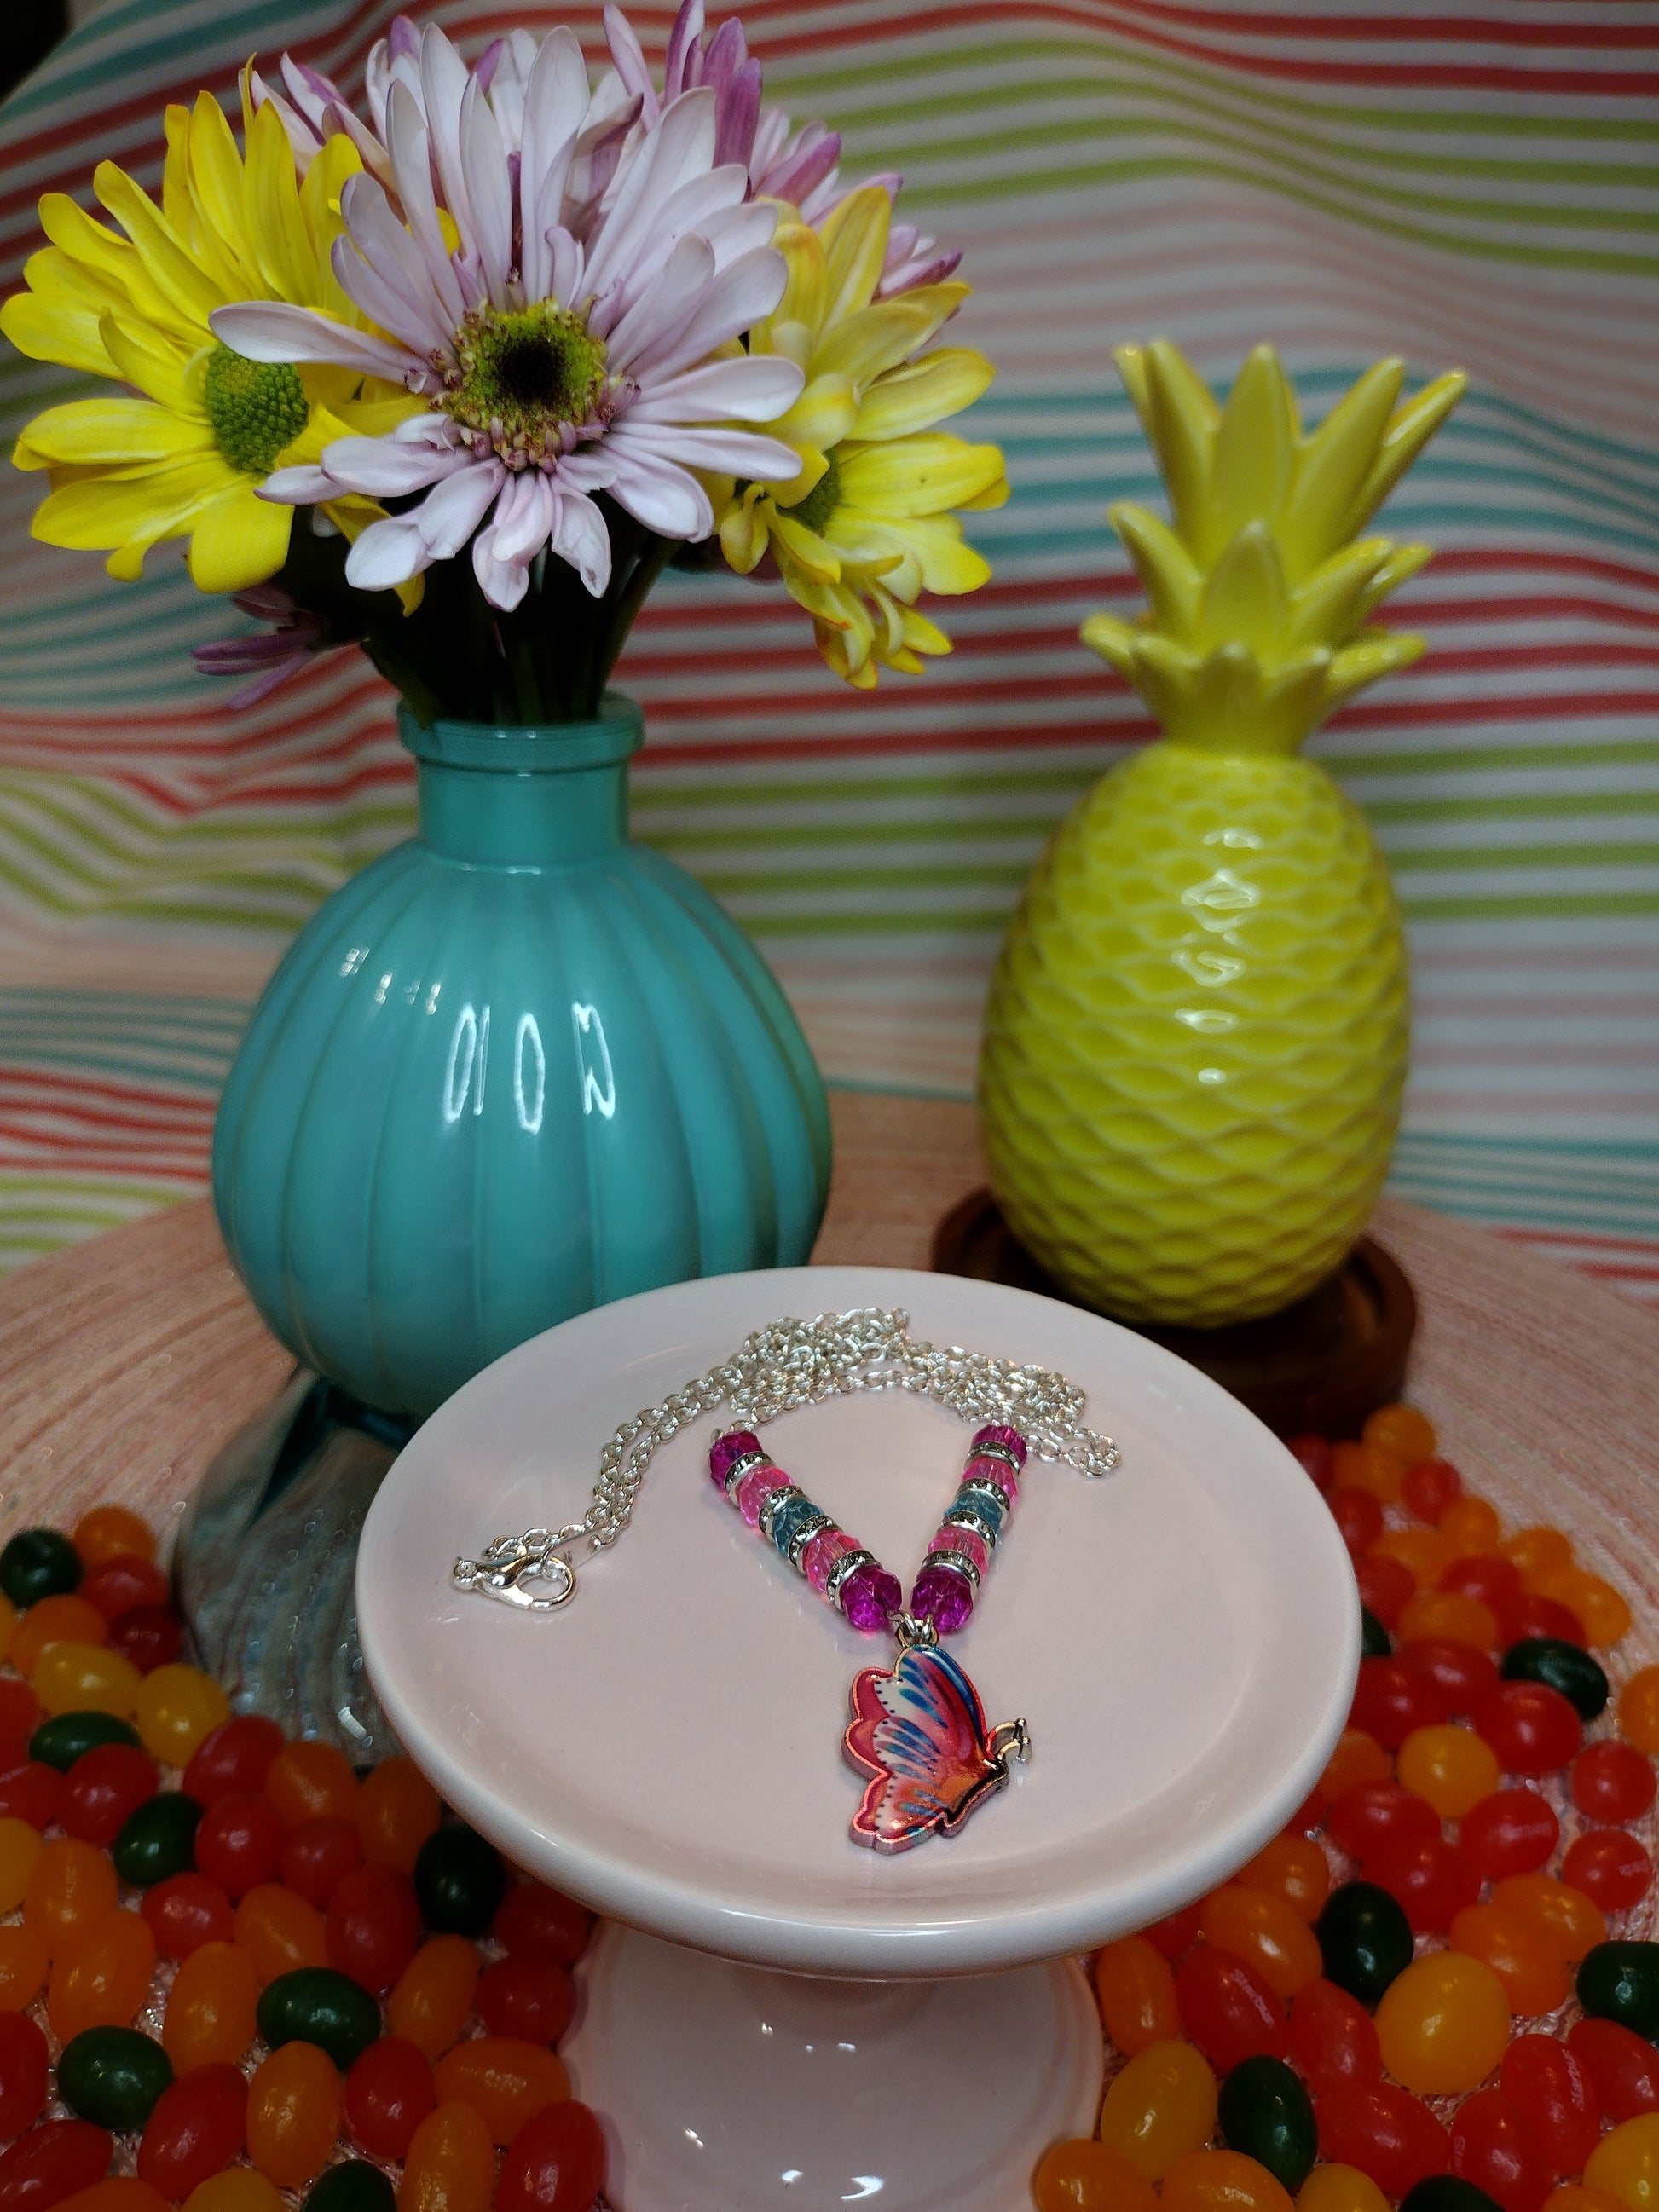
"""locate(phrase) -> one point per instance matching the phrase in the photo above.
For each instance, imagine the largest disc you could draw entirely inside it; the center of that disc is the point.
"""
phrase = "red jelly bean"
(1315, 1454)
(556, 2163)
(1392, 1699)
(151, 1636)
(1491, 2148)
(1430, 1487)
(532, 1917)
(238, 1842)
(317, 1856)
(529, 1995)
(104, 1787)
(1543, 1616)
(20, 1717)
(123, 1583)
(32, 1792)
(388, 2092)
(1612, 1782)
(25, 2065)
(1560, 2113)
(1386, 2132)
(51, 2162)
(1226, 2008)
(1374, 1812)
(1493, 1579)
(1358, 1517)
(184, 1912)
(1623, 2068)
(374, 1925)
(1532, 1728)
(1611, 1868)
(1332, 2039)
(1462, 1672)
(1430, 1879)
(1384, 1586)
(234, 1757)
(1510, 1832)
(196, 2126)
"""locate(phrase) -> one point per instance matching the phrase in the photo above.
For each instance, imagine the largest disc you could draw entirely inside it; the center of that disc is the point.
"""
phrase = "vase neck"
(542, 796)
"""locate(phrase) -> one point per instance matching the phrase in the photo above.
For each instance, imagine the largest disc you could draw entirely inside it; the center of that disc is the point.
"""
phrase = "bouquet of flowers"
(453, 378)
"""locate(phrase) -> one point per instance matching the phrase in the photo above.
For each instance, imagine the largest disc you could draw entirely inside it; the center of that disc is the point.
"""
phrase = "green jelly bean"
(1620, 1981)
(315, 2004)
(1447, 2192)
(460, 1879)
(158, 1838)
(112, 2077)
(1562, 1666)
(60, 1741)
(1374, 1642)
(1364, 1940)
(1266, 2113)
(40, 1563)
(354, 2185)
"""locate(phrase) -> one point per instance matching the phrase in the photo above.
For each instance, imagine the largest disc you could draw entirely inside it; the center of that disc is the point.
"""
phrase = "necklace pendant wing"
(919, 1733)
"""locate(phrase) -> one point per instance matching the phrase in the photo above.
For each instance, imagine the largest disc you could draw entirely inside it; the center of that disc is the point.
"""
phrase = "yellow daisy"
(184, 458)
(868, 524)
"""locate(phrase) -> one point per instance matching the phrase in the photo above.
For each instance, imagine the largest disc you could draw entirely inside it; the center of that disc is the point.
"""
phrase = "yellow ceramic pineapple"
(1196, 1037)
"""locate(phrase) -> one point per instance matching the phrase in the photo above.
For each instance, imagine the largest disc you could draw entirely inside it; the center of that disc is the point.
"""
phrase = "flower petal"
(581, 538)
(748, 388)
(915, 397)
(269, 330)
(87, 432)
(388, 554)
(452, 510)
(238, 540)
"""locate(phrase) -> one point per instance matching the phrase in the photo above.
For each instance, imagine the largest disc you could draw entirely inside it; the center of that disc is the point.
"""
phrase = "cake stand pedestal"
(782, 2018)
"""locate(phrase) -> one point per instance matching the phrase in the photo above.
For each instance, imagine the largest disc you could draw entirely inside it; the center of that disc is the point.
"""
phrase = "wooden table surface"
(126, 1361)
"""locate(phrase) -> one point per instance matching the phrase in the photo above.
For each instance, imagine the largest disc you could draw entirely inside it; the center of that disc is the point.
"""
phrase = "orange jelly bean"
(1359, 1757)
(64, 1619)
(1638, 1711)
(1161, 2105)
(1575, 2197)
(1576, 1921)
(1135, 1987)
(1425, 1553)
(1266, 1932)
(111, 1532)
(433, 1994)
(1537, 1552)
(1523, 1951)
(75, 1677)
(1452, 1767)
(1292, 1867)
(1443, 2023)
(1367, 1468)
(397, 1808)
(451, 2164)
(1081, 2176)
(238, 2189)
(279, 1931)
(1222, 2181)
(1451, 1615)
(20, 1847)
(100, 1977)
(212, 2008)
(70, 1886)
(24, 1962)
(177, 1706)
(1402, 1431)
(1471, 1526)
(310, 1782)
(296, 2104)
(120, 2192)
(1601, 1609)
(8, 1619)
(506, 2079)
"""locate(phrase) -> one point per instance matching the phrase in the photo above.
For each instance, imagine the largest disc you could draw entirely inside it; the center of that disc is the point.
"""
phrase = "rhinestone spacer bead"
(974, 1516)
(843, 1569)
(772, 1506)
(998, 1451)
(746, 1464)
(813, 1525)
(958, 1562)
(993, 1493)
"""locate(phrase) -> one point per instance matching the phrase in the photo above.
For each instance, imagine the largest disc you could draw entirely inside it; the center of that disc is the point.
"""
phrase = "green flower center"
(257, 408)
(819, 504)
(524, 375)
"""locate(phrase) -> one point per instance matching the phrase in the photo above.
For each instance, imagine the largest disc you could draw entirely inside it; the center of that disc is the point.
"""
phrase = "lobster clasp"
(513, 1562)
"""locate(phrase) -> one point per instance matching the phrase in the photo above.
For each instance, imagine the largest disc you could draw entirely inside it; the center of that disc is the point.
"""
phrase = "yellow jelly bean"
(86, 1677)
(1161, 2105)
(1443, 2024)
(1452, 1767)
(1335, 2189)
(176, 1707)
(1626, 2163)
(20, 1847)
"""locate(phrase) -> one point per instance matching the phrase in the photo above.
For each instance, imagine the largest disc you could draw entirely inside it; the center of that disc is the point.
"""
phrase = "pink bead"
(756, 1488)
(821, 1554)
(998, 1432)
(870, 1597)
(968, 1541)
(943, 1596)
(993, 1470)
(724, 1456)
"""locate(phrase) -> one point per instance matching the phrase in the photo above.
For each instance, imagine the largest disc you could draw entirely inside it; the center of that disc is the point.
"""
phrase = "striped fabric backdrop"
(1479, 186)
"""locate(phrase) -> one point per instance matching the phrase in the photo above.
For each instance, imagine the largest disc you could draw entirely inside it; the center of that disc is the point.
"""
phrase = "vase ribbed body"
(518, 1067)
(1196, 1038)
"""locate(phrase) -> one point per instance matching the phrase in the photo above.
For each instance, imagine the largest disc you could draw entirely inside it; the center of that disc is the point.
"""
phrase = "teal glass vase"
(519, 1067)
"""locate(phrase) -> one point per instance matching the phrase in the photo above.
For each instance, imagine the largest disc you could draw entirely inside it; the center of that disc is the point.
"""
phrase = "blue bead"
(788, 1519)
(986, 1518)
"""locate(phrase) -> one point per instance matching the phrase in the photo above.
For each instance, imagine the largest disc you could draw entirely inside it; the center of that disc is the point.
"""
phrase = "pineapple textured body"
(1196, 1038)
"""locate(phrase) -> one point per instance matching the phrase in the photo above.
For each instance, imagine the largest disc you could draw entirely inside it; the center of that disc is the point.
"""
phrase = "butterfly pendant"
(920, 1734)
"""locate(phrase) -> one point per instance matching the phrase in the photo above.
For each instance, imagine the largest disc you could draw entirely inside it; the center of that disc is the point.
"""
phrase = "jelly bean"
(1265, 1932)
(1391, 1699)
(121, 2192)
(239, 1843)
(1443, 2024)
(1575, 1924)
(1333, 2188)
(1332, 2039)
(1450, 1614)
(1175, 1935)
(531, 1996)
(1622, 2066)
(112, 2076)
(240, 2189)
(234, 1756)
(388, 2092)
(1315, 1455)
(1364, 1468)
(294, 2108)
(434, 1995)
(1638, 1710)
(556, 2163)
(1401, 1429)
(374, 1925)
(25, 2069)
(354, 2185)
(177, 1708)
(1495, 1581)
(66, 1740)
(106, 1786)
(451, 2165)
(1491, 2147)
(1160, 2106)
(1621, 1981)
(10, 1617)
(310, 1782)
(52, 2162)
(460, 1880)
(1431, 1880)
(1221, 2181)
(1602, 1609)
(1626, 2163)
(1520, 1951)
(147, 1637)
(20, 1849)
(1295, 1869)
(1536, 1616)
(32, 1792)
(1559, 2111)
(1364, 1940)
(279, 1931)
(100, 1977)
(1359, 1757)
(1461, 1674)
(1387, 2134)
(1473, 1525)
(1564, 1665)
(397, 1808)
(1573, 2197)
(38, 1564)
(1447, 2192)
(1226, 2007)
(1358, 1518)
(1075, 2176)
(1385, 1583)
(1511, 1831)
(20, 1713)
(1537, 1552)
(1449, 1766)
(504, 2078)
(112, 1532)
(24, 1962)
(317, 1855)
(1610, 1867)
(196, 2126)
(156, 1841)
(1134, 1988)
(184, 1912)
(531, 1916)
(211, 2008)
(118, 1585)
(317, 2005)
(1423, 1552)
(1374, 1642)
(1429, 1487)
(1265, 2112)
(71, 1886)
(1374, 1812)
(1612, 1782)
(1532, 1728)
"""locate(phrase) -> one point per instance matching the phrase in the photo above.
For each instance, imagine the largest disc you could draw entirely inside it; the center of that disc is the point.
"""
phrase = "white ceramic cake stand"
(1182, 1638)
